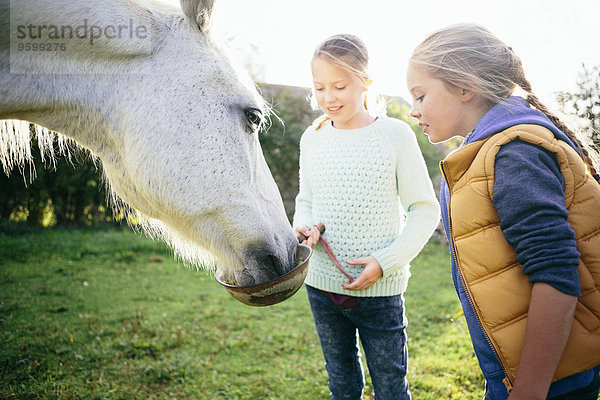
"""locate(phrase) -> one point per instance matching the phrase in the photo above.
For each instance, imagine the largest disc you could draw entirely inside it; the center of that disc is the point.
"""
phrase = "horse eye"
(254, 117)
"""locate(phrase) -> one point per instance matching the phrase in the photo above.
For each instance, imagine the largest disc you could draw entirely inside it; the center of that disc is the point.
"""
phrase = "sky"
(552, 37)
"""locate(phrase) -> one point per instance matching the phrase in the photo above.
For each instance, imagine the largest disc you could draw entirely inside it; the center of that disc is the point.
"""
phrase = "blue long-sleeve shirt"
(529, 197)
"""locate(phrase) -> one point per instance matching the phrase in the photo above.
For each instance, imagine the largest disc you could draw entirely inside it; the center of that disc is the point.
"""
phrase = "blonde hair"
(470, 56)
(350, 53)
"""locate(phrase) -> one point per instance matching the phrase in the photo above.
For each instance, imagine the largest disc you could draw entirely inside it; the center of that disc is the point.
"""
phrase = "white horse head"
(174, 124)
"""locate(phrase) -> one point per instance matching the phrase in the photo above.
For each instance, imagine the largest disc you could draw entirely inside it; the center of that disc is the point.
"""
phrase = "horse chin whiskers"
(186, 251)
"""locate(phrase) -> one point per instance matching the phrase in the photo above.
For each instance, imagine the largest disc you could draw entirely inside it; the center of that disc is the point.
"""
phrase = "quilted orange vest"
(495, 282)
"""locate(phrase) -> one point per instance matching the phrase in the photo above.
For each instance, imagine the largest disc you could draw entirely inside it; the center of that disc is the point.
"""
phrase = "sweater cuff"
(422, 221)
(565, 280)
(387, 261)
(302, 219)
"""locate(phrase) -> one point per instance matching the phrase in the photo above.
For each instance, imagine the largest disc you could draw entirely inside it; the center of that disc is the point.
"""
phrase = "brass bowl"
(275, 291)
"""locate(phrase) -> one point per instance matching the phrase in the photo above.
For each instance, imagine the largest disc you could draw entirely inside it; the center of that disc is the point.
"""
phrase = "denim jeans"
(589, 392)
(379, 323)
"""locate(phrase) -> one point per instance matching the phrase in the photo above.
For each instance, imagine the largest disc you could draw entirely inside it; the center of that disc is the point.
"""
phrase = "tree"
(585, 101)
(281, 140)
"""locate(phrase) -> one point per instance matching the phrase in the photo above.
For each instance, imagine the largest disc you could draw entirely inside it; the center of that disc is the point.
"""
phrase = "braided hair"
(470, 56)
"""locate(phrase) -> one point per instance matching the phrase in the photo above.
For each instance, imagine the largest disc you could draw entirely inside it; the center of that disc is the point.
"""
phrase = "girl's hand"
(312, 235)
(368, 277)
(543, 347)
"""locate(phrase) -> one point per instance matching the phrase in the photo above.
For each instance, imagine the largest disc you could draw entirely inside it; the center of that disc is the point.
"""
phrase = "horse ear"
(198, 12)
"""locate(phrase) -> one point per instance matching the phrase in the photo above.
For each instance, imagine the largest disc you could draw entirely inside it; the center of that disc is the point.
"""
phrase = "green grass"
(108, 314)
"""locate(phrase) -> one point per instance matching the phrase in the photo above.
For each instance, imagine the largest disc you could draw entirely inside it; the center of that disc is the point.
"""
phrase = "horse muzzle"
(275, 290)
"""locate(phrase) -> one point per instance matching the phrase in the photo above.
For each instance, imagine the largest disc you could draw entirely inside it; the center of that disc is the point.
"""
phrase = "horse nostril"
(271, 265)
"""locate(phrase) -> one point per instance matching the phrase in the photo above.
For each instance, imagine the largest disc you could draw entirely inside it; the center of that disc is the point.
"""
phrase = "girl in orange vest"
(521, 208)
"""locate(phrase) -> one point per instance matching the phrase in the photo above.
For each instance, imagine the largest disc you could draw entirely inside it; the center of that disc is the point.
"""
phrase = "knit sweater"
(370, 188)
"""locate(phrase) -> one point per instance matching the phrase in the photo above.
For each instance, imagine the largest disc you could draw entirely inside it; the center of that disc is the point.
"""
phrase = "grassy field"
(108, 314)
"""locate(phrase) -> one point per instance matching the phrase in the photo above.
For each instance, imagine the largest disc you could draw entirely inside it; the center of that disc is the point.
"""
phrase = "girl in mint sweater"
(363, 176)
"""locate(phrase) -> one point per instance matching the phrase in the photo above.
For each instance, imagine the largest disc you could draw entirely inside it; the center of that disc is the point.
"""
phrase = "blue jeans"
(380, 324)
(589, 392)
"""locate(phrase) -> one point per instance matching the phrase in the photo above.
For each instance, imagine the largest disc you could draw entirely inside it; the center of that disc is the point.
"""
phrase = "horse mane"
(15, 146)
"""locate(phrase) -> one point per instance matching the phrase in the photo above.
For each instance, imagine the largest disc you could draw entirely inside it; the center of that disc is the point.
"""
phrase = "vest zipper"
(506, 380)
